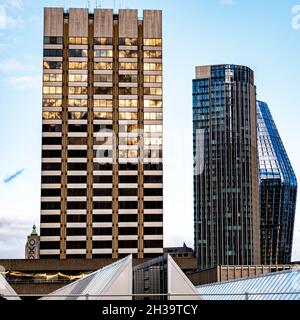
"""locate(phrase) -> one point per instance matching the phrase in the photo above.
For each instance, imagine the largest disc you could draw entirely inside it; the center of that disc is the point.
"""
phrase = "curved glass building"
(278, 191)
(226, 198)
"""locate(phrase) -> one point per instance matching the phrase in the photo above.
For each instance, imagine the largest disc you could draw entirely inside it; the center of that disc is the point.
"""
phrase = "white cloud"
(2, 18)
(11, 65)
(227, 2)
(14, 22)
(24, 82)
(13, 236)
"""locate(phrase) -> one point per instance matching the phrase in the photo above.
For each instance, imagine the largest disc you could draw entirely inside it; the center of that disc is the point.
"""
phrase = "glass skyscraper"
(278, 191)
(226, 198)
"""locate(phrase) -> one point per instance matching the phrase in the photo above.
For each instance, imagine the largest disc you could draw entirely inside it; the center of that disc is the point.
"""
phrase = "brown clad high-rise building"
(102, 192)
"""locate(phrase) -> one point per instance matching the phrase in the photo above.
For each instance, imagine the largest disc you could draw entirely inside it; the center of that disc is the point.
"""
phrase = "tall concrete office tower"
(101, 192)
(226, 198)
(278, 191)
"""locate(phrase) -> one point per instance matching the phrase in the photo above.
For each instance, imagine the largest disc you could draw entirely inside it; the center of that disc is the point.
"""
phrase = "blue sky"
(256, 33)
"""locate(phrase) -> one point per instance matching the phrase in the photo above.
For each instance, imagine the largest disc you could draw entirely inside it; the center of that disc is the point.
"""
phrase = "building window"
(52, 65)
(103, 90)
(103, 78)
(53, 40)
(128, 66)
(151, 66)
(128, 54)
(53, 52)
(52, 90)
(78, 65)
(103, 115)
(103, 41)
(153, 91)
(103, 103)
(153, 42)
(78, 53)
(78, 77)
(103, 53)
(52, 103)
(77, 103)
(128, 41)
(103, 65)
(52, 115)
(152, 79)
(52, 77)
(152, 103)
(129, 103)
(128, 115)
(128, 91)
(77, 90)
(128, 78)
(152, 54)
(153, 116)
(78, 40)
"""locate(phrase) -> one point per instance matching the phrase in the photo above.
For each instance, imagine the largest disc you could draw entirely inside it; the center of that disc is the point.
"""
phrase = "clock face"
(32, 242)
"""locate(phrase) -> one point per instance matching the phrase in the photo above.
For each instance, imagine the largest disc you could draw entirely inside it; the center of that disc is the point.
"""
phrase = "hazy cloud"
(17, 4)
(24, 82)
(13, 176)
(11, 65)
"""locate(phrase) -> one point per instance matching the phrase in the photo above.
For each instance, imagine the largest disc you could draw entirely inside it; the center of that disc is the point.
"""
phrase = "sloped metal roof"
(283, 285)
(105, 283)
(6, 291)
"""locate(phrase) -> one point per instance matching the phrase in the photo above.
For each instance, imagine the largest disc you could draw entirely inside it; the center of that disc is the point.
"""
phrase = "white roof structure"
(282, 285)
(113, 282)
(179, 285)
(6, 291)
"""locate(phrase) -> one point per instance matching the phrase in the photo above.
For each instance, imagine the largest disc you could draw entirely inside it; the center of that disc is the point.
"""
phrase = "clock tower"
(32, 248)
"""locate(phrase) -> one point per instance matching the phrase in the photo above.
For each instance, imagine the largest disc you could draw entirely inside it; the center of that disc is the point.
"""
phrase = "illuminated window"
(152, 66)
(128, 54)
(79, 65)
(152, 103)
(103, 115)
(77, 103)
(153, 91)
(77, 90)
(127, 128)
(52, 90)
(52, 65)
(52, 102)
(77, 115)
(52, 115)
(128, 153)
(152, 128)
(52, 77)
(78, 40)
(153, 42)
(78, 77)
(103, 78)
(128, 41)
(152, 141)
(128, 66)
(152, 54)
(152, 115)
(103, 103)
(152, 79)
(103, 65)
(128, 115)
(128, 103)
(130, 141)
(103, 53)
(103, 41)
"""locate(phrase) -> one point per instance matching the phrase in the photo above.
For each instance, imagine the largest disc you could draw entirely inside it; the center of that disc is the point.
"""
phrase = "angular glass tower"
(226, 198)
(278, 191)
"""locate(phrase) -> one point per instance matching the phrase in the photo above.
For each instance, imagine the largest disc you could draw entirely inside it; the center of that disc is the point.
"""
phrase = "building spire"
(33, 232)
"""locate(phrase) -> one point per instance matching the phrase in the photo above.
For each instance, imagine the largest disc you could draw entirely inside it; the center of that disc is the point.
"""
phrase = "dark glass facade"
(278, 191)
(226, 206)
